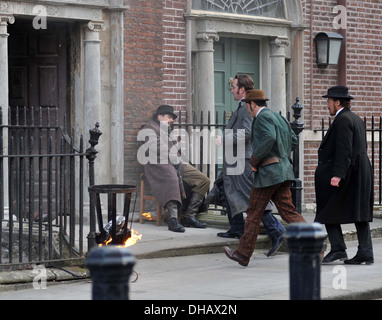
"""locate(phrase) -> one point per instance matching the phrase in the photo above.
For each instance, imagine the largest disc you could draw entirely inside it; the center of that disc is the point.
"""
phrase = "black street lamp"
(328, 48)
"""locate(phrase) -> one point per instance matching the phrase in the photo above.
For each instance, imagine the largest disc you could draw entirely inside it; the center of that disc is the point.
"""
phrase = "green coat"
(272, 143)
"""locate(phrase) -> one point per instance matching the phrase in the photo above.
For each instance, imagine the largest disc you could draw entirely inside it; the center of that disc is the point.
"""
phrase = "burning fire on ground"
(124, 236)
(147, 215)
(135, 236)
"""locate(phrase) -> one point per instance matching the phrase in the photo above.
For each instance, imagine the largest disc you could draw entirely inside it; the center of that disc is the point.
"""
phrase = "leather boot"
(189, 219)
(172, 209)
(174, 225)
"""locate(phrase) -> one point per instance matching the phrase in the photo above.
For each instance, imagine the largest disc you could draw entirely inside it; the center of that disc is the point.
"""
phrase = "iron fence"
(208, 158)
(202, 121)
(42, 179)
(201, 129)
(41, 188)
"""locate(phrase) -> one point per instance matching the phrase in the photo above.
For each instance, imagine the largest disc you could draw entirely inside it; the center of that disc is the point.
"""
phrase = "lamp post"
(328, 48)
(297, 127)
(91, 154)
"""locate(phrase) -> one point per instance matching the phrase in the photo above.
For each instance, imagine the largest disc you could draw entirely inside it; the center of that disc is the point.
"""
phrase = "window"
(264, 8)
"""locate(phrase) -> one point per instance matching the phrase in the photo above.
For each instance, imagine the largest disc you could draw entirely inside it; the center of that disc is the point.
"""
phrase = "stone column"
(117, 96)
(92, 91)
(206, 96)
(278, 80)
(92, 80)
(4, 20)
(205, 79)
(4, 99)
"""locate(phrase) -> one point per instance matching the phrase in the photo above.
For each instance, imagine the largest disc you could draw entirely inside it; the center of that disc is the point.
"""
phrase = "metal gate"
(41, 189)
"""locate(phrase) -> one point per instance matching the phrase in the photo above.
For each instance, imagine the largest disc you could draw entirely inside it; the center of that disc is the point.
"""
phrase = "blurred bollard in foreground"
(110, 269)
(305, 243)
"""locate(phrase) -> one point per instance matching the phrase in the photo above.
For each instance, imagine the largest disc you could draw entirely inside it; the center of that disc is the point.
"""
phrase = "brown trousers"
(197, 180)
(281, 195)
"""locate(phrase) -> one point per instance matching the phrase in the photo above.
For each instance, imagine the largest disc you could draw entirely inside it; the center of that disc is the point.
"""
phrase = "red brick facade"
(156, 65)
(364, 68)
(174, 54)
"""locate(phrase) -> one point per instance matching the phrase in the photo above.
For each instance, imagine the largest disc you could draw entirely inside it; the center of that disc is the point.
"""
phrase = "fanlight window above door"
(264, 8)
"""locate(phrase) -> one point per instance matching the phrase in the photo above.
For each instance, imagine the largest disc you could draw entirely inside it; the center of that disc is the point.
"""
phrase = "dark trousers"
(337, 242)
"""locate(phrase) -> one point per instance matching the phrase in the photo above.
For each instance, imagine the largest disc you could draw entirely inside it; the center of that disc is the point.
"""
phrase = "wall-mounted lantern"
(328, 48)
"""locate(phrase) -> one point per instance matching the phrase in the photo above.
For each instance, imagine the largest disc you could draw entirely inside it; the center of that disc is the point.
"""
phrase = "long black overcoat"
(343, 153)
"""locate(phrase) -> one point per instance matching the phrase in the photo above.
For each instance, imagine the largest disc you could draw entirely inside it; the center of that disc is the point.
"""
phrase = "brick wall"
(364, 55)
(143, 64)
(155, 68)
(174, 58)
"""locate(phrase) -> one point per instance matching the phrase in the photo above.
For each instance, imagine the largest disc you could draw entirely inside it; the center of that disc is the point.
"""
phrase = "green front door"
(233, 56)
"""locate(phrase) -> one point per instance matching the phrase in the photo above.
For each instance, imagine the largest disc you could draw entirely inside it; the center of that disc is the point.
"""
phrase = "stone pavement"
(192, 266)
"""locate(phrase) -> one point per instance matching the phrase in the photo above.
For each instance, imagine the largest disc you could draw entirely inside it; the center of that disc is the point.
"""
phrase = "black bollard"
(110, 269)
(305, 243)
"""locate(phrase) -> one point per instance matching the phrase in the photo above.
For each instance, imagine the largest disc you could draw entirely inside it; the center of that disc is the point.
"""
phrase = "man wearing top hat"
(344, 180)
(163, 169)
(272, 143)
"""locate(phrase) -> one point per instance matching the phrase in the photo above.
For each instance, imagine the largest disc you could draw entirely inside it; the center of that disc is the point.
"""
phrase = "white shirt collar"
(339, 111)
(261, 108)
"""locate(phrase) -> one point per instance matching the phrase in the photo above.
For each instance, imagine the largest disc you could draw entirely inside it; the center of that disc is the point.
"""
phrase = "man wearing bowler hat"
(344, 180)
(164, 168)
(272, 143)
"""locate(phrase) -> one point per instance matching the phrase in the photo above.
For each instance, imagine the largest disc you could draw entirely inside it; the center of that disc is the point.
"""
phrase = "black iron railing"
(41, 188)
(198, 131)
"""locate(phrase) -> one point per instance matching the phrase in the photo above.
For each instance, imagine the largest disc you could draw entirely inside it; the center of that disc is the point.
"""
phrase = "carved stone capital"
(280, 42)
(96, 26)
(207, 36)
(6, 19)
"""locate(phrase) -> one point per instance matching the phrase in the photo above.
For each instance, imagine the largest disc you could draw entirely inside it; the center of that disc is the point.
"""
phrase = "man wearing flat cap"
(344, 180)
(272, 143)
(164, 168)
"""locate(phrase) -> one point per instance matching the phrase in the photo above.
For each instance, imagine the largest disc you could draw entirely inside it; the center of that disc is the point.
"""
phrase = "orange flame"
(108, 241)
(147, 215)
(135, 236)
